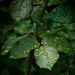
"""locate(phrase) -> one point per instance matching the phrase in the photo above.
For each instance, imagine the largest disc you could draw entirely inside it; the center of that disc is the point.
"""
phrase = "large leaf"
(46, 56)
(20, 9)
(63, 13)
(10, 42)
(60, 44)
(23, 47)
(56, 2)
(24, 27)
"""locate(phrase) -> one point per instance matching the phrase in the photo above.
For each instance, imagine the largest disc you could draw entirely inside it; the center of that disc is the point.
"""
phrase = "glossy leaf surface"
(63, 13)
(20, 9)
(46, 56)
(37, 15)
(56, 2)
(22, 48)
(12, 39)
(24, 26)
(60, 44)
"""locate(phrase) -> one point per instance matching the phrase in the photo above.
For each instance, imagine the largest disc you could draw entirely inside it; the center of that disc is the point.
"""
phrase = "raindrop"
(48, 31)
(54, 11)
(38, 21)
(13, 41)
(12, 56)
(24, 6)
(41, 52)
(49, 68)
(18, 19)
(40, 66)
(50, 57)
(6, 51)
(28, 3)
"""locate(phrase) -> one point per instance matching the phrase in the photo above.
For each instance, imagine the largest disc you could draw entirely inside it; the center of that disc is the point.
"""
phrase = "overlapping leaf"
(60, 44)
(56, 2)
(46, 56)
(24, 27)
(12, 39)
(20, 9)
(23, 47)
(63, 13)
(37, 15)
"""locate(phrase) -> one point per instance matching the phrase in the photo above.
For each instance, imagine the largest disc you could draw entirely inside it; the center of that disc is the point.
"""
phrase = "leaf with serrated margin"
(46, 56)
(22, 48)
(11, 40)
(64, 13)
(52, 2)
(20, 9)
(60, 44)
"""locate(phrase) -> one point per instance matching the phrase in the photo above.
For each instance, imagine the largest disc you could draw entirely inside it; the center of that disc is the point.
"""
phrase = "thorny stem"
(28, 69)
(36, 34)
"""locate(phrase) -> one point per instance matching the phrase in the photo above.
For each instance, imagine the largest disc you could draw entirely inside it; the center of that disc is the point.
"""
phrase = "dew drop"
(50, 57)
(49, 68)
(18, 19)
(38, 21)
(54, 11)
(12, 56)
(48, 31)
(40, 66)
(28, 3)
(24, 6)
(6, 51)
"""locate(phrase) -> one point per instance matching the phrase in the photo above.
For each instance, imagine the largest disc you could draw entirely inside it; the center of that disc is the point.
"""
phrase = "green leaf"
(37, 15)
(70, 26)
(46, 56)
(71, 34)
(60, 44)
(56, 2)
(11, 40)
(22, 48)
(20, 9)
(24, 27)
(63, 13)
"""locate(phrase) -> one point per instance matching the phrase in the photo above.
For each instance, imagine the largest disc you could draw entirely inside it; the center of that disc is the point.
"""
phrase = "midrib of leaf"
(21, 7)
(26, 48)
(46, 54)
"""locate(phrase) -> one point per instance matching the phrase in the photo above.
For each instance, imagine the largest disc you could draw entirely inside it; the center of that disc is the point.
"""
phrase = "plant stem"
(36, 30)
(37, 24)
(31, 52)
(46, 2)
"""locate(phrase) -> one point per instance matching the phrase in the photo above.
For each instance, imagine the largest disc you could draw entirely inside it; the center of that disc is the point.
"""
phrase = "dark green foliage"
(20, 9)
(36, 41)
